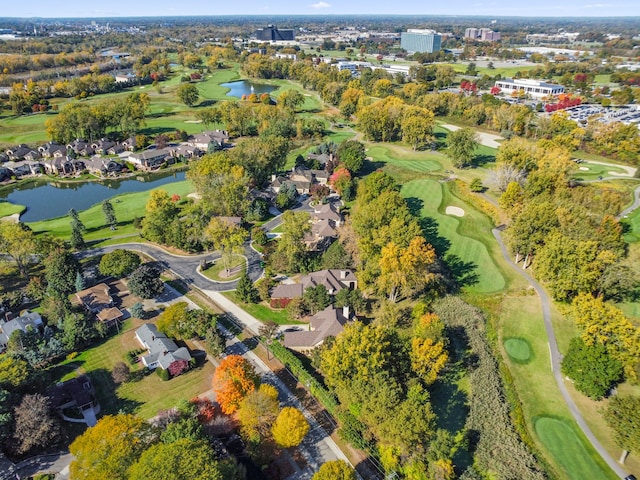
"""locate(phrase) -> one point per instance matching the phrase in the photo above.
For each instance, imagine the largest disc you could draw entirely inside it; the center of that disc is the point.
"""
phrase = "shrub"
(163, 374)
(120, 372)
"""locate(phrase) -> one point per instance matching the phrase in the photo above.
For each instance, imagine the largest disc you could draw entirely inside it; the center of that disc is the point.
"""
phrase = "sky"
(129, 8)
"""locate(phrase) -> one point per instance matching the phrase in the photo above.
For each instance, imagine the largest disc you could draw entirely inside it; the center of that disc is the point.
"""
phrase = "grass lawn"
(521, 317)
(312, 102)
(7, 208)
(210, 88)
(504, 71)
(126, 206)
(596, 170)
(145, 396)
(215, 270)
(469, 237)
(262, 311)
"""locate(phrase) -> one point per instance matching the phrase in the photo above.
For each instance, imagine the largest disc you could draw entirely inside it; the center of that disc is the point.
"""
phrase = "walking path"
(556, 359)
(486, 139)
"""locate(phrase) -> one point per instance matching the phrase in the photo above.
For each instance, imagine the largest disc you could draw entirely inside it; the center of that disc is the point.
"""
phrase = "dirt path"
(486, 139)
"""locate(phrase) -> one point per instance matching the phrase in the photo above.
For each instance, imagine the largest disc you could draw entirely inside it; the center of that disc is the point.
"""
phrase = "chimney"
(343, 274)
(345, 311)
(273, 178)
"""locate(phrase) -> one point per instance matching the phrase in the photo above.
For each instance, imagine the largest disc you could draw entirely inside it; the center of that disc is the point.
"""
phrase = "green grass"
(469, 236)
(210, 88)
(568, 450)
(596, 170)
(518, 349)
(126, 206)
(504, 71)
(7, 209)
(262, 311)
(144, 397)
(214, 272)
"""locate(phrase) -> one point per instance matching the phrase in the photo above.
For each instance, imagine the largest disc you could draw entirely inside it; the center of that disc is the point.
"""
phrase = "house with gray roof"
(209, 141)
(27, 321)
(333, 280)
(328, 323)
(149, 159)
(163, 351)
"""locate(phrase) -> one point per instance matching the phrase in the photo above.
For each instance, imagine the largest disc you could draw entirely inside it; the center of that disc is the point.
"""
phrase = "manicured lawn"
(504, 71)
(312, 102)
(214, 271)
(144, 397)
(210, 88)
(7, 209)
(468, 236)
(521, 318)
(596, 170)
(565, 446)
(126, 206)
(262, 311)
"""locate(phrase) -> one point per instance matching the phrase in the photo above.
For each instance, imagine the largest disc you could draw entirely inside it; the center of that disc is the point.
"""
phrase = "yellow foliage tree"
(290, 427)
(108, 449)
(257, 411)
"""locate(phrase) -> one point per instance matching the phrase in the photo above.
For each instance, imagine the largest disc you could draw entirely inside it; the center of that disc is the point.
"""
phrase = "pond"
(50, 199)
(246, 87)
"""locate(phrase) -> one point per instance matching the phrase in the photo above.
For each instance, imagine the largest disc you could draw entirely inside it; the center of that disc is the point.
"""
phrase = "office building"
(534, 88)
(421, 41)
(272, 34)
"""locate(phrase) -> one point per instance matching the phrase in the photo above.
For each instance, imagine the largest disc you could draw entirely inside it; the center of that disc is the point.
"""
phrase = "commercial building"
(482, 34)
(534, 88)
(272, 34)
(421, 41)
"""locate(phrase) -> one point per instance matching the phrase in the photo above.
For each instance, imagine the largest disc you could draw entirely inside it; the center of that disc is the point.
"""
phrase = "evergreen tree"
(246, 291)
(77, 227)
(79, 282)
(109, 214)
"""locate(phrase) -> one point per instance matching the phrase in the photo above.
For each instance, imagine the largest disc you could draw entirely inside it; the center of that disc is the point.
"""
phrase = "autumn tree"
(36, 425)
(108, 449)
(403, 270)
(623, 416)
(290, 427)
(14, 371)
(160, 212)
(257, 412)
(417, 126)
(291, 245)
(170, 319)
(19, 243)
(234, 378)
(120, 373)
(119, 263)
(352, 155)
(428, 350)
(291, 99)
(461, 146)
(188, 94)
(227, 238)
(335, 470)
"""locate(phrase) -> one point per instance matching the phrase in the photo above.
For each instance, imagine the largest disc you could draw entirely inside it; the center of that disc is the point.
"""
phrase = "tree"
(257, 412)
(184, 458)
(592, 369)
(61, 268)
(137, 310)
(14, 371)
(188, 94)
(226, 237)
(340, 181)
(335, 470)
(352, 155)
(119, 263)
(120, 372)
(18, 242)
(35, 424)
(291, 246)
(246, 290)
(461, 145)
(160, 212)
(215, 341)
(77, 227)
(109, 214)
(403, 270)
(145, 282)
(286, 196)
(169, 321)
(234, 378)
(291, 99)
(108, 449)
(290, 427)
(417, 126)
(623, 416)
(317, 298)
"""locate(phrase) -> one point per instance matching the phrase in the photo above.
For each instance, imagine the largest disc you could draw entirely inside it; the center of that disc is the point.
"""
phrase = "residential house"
(102, 146)
(185, 151)
(326, 218)
(52, 149)
(129, 144)
(149, 159)
(334, 280)
(63, 166)
(25, 322)
(24, 167)
(98, 300)
(209, 141)
(81, 147)
(103, 166)
(77, 393)
(302, 177)
(18, 152)
(328, 323)
(32, 155)
(5, 173)
(162, 351)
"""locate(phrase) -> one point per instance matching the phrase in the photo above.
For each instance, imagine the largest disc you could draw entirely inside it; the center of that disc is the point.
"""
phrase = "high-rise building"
(482, 34)
(422, 41)
(271, 33)
(471, 33)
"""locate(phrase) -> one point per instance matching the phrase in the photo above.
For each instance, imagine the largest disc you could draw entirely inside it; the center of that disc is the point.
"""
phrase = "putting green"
(468, 235)
(568, 450)
(518, 349)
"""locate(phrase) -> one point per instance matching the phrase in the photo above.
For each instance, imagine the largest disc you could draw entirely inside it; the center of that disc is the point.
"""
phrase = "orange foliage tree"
(235, 377)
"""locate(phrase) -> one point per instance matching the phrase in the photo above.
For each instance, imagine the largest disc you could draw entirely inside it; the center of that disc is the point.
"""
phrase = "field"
(7, 209)
(144, 396)
(127, 207)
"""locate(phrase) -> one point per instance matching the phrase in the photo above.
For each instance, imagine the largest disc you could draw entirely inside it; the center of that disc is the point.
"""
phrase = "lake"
(244, 87)
(50, 199)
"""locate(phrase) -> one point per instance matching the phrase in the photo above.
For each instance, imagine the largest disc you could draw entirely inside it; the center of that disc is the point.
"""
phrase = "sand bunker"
(584, 168)
(455, 211)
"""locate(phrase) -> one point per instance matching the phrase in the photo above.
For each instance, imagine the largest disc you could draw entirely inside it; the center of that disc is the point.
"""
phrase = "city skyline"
(147, 8)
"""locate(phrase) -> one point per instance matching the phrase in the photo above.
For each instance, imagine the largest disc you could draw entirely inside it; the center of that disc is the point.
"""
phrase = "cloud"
(320, 5)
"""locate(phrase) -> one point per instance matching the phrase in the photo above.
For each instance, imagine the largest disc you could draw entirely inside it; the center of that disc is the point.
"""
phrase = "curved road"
(556, 358)
(633, 206)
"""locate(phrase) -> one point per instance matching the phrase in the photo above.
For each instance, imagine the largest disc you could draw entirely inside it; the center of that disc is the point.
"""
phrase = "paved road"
(55, 463)
(486, 139)
(633, 206)
(556, 359)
